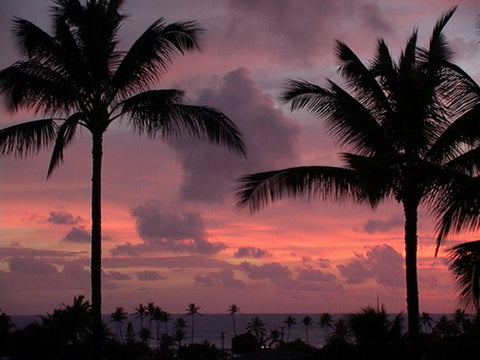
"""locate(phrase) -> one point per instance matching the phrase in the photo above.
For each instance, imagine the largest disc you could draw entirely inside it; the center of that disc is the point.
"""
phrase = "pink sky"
(172, 234)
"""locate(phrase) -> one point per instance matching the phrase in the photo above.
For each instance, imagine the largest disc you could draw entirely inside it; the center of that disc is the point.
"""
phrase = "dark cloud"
(271, 271)
(315, 275)
(6, 252)
(224, 278)
(168, 262)
(251, 252)
(168, 231)
(75, 271)
(148, 275)
(63, 218)
(372, 226)
(209, 171)
(381, 263)
(77, 234)
(116, 275)
(30, 266)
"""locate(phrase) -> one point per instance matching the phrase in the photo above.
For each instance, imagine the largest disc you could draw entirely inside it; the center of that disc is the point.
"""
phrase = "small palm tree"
(325, 323)
(151, 308)
(180, 333)
(192, 310)
(464, 263)
(79, 78)
(289, 321)
(258, 328)
(141, 313)
(119, 316)
(307, 321)
(165, 317)
(233, 309)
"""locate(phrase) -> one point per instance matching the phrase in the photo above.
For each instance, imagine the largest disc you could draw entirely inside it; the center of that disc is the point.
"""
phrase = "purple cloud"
(315, 275)
(251, 252)
(224, 278)
(271, 271)
(77, 234)
(148, 275)
(372, 226)
(63, 218)
(30, 266)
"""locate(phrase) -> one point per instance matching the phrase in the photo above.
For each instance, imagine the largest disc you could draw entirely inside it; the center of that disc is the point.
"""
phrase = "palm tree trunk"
(96, 246)
(410, 207)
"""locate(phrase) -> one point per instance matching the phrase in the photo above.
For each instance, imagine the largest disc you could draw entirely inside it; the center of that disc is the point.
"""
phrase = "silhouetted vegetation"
(65, 334)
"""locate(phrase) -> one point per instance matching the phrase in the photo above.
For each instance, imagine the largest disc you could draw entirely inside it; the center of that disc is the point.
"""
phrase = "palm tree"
(233, 309)
(141, 313)
(157, 317)
(150, 313)
(307, 321)
(165, 317)
(325, 323)
(289, 321)
(192, 310)
(395, 121)
(258, 327)
(426, 322)
(464, 263)
(79, 78)
(179, 326)
(119, 316)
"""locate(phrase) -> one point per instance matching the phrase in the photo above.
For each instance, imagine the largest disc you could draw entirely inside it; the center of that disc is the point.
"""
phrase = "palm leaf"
(27, 138)
(158, 112)
(256, 191)
(153, 52)
(464, 263)
(65, 134)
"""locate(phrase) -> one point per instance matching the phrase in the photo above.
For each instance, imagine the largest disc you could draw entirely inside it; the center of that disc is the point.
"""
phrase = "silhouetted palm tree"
(119, 316)
(79, 78)
(289, 321)
(192, 310)
(396, 122)
(150, 314)
(325, 323)
(165, 317)
(426, 322)
(179, 326)
(464, 263)
(258, 328)
(141, 313)
(233, 309)
(307, 321)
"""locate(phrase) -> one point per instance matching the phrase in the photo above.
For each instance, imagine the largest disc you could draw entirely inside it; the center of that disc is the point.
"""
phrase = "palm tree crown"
(78, 77)
(395, 117)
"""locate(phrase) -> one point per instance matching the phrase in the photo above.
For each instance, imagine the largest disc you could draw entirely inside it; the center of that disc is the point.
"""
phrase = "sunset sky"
(172, 234)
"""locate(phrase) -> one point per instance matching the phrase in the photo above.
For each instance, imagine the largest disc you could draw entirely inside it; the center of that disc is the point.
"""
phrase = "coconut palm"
(165, 317)
(464, 263)
(395, 122)
(289, 321)
(141, 313)
(192, 310)
(233, 309)
(258, 328)
(180, 334)
(307, 321)
(119, 316)
(79, 78)
(426, 322)
(325, 323)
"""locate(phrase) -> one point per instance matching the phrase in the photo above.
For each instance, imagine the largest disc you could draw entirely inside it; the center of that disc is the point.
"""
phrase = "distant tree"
(141, 313)
(145, 335)
(258, 328)
(180, 333)
(165, 317)
(6, 326)
(130, 334)
(307, 321)
(151, 308)
(119, 316)
(157, 316)
(192, 310)
(426, 322)
(325, 323)
(289, 321)
(340, 332)
(233, 309)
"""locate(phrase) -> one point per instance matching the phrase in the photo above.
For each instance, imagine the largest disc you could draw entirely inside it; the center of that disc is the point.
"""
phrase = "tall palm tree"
(233, 309)
(307, 321)
(325, 323)
(192, 310)
(289, 321)
(395, 121)
(79, 78)
(165, 317)
(464, 263)
(119, 316)
(141, 313)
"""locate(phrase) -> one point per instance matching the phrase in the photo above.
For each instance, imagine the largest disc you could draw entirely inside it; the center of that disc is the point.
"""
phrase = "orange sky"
(172, 234)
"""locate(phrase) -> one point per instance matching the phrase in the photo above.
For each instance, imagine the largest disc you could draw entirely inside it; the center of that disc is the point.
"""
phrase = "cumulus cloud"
(372, 226)
(63, 218)
(116, 275)
(163, 230)
(30, 266)
(77, 234)
(315, 275)
(224, 278)
(209, 172)
(251, 252)
(381, 263)
(75, 270)
(149, 275)
(271, 271)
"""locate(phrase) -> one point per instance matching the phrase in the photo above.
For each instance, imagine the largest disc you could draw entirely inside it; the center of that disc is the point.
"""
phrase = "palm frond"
(256, 191)
(65, 134)
(27, 138)
(152, 54)
(464, 263)
(158, 112)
